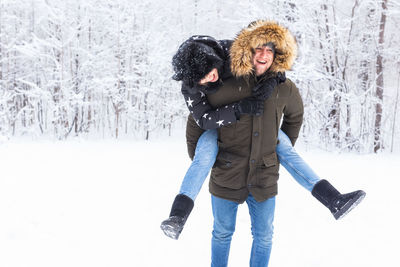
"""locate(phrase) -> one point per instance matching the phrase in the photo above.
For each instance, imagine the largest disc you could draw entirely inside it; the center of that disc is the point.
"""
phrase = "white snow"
(100, 203)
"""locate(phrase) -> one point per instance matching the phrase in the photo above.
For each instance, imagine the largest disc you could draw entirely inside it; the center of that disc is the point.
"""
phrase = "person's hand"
(264, 90)
(250, 105)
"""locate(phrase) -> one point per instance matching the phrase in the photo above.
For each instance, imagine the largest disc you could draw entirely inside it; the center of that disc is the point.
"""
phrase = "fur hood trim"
(257, 34)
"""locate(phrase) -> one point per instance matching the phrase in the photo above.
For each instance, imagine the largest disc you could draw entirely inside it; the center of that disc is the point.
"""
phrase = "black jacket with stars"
(203, 113)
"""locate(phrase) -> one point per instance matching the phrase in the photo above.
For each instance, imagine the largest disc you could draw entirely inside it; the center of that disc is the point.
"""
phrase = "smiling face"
(210, 77)
(262, 59)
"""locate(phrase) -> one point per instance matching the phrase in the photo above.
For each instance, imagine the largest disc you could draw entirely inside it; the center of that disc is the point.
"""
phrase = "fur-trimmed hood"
(258, 33)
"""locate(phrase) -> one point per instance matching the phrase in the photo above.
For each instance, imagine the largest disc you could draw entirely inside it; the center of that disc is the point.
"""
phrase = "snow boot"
(180, 211)
(339, 204)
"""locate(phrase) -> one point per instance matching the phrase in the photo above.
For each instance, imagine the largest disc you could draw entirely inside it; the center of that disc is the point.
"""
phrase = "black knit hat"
(193, 60)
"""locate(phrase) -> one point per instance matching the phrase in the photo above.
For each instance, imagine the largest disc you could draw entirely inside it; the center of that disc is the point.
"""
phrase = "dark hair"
(193, 61)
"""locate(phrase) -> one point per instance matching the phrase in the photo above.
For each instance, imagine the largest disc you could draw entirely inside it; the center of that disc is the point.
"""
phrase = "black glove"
(281, 76)
(250, 105)
(264, 90)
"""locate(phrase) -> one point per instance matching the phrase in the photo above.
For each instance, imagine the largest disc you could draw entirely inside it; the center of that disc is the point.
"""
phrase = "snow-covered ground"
(100, 203)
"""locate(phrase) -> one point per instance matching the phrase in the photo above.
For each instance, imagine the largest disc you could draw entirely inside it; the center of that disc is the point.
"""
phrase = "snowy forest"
(101, 68)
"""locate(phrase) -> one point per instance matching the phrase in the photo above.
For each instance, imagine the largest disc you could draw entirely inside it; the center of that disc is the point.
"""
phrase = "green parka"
(247, 161)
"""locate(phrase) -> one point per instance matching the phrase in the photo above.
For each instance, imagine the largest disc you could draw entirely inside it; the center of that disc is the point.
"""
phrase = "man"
(247, 167)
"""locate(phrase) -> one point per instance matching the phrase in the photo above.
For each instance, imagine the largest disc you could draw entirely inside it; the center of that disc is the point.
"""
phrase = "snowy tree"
(103, 68)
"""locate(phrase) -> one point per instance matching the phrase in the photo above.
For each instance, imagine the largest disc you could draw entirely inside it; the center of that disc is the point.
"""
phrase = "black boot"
(338, 204)
(180, 211)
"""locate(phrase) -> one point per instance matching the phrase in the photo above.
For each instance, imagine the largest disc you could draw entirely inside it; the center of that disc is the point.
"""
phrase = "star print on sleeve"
(220, 123)
(204, 114)
(189, 102)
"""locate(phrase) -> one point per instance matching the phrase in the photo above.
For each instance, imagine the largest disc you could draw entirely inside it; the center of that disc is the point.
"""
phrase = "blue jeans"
(262, 217)
(204, 158)
(207, 150)
(294, 164)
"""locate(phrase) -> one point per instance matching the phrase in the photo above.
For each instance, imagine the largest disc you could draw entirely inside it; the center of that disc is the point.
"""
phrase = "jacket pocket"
(270, 160)
(229, 170)
(267, 174)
